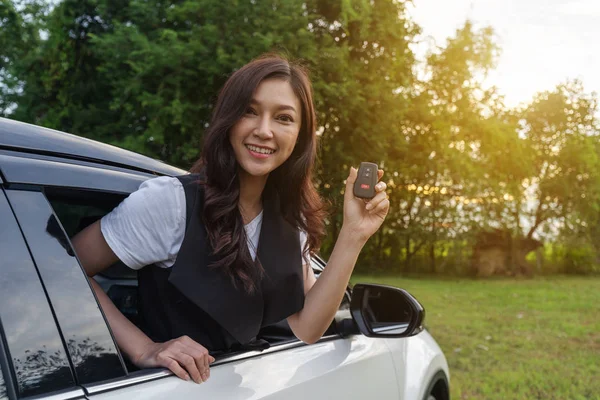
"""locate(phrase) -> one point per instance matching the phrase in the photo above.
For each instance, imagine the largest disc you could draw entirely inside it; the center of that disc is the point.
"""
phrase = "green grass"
(513, 339)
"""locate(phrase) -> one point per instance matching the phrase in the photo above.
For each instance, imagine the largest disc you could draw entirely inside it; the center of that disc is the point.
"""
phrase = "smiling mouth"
(260, 150)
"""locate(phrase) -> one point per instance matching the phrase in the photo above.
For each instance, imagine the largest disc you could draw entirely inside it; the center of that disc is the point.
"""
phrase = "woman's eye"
(250, 110)
(286, 118)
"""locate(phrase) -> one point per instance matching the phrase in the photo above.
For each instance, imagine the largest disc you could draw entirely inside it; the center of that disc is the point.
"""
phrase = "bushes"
(455, 259)
(574, 257)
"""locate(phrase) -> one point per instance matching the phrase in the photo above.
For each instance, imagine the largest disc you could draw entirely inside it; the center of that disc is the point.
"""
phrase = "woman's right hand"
(185, 357)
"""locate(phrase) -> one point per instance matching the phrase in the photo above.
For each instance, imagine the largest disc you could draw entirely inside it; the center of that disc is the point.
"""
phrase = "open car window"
(76, 209)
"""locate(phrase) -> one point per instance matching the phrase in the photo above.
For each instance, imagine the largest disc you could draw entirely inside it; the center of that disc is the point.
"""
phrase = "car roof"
(20, 136)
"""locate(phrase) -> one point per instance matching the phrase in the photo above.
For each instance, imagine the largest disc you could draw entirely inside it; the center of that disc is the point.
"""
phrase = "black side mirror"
(386, 311)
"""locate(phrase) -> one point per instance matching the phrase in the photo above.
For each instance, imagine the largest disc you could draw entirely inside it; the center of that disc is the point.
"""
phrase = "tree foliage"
(143, 74)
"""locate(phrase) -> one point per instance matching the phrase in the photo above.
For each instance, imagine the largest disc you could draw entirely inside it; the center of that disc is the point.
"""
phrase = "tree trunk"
(432, 256)
(408, 255)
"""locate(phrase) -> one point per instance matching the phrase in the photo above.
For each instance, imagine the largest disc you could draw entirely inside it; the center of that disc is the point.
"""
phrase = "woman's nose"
(263, 130)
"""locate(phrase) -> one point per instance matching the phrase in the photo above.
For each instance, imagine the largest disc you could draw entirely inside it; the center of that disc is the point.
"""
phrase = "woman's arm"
(95, 256)
(324, 295)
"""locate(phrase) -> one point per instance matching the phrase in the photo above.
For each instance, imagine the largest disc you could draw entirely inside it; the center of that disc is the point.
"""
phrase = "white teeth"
(260, 150)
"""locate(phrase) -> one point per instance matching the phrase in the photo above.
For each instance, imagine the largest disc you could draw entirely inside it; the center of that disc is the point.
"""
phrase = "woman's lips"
(259, 155)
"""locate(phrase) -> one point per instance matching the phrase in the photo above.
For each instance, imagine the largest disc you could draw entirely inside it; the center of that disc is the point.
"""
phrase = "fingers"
(379, 174)
(380, 197)
(382, 208)
(186, 358)
(189, 363)
(200, 355)
(164, 360)
(206, 373)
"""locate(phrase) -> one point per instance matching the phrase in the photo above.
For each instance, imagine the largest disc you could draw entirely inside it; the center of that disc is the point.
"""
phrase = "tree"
(562, 132)
(20, 23)
(61, 88)
(440, 153)
(362, 70)
(144, 74)
(168, 60)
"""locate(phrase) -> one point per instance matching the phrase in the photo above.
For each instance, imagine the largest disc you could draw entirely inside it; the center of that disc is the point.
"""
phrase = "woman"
(222, 252)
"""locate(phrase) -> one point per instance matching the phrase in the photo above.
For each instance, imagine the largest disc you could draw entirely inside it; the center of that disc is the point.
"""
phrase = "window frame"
(32, 170)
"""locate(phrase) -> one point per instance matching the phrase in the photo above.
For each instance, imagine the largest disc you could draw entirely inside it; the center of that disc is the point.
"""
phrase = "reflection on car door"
(356, 367)
(34, 345)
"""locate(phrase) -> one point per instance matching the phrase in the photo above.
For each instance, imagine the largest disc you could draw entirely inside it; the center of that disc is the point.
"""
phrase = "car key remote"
(366, 180)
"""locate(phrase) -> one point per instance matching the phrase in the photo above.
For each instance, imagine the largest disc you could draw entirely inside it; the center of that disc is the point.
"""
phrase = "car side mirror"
(386, 311)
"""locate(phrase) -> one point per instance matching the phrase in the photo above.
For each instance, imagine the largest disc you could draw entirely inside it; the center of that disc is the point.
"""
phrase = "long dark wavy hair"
(300, 204)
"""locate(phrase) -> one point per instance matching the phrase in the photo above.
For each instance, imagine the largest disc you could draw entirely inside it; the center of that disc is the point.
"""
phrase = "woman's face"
(266, 135)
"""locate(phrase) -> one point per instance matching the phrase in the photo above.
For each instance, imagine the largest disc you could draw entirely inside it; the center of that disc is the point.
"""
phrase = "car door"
(352, 368)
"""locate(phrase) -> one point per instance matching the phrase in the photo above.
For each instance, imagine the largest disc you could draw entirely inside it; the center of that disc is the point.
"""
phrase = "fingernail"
(187, 377)
(369, 206)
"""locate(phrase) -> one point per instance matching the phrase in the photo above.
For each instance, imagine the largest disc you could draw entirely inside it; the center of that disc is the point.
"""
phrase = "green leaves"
(144, 74)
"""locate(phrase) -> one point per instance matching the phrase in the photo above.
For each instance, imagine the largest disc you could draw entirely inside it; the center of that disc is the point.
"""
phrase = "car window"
(35, 348)
(90, 344)
(76, 209)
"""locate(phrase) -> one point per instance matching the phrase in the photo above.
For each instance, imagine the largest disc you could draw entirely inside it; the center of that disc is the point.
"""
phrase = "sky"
(543, 42)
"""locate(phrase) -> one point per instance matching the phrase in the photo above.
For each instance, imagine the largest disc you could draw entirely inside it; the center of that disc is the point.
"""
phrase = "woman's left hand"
(362, 217)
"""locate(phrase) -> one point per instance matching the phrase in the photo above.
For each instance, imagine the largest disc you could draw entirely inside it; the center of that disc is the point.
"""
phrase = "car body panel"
(26, 171)
(348, 368)
(36, 139)
(418, 359)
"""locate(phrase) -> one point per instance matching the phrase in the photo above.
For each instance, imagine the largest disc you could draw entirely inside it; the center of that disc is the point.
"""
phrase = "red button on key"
(364, 186)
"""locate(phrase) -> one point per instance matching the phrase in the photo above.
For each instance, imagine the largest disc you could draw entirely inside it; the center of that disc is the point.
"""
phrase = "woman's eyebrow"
(280, 107)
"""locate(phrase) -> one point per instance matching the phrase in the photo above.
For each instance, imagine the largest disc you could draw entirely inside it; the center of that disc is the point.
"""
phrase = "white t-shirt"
(149, 225)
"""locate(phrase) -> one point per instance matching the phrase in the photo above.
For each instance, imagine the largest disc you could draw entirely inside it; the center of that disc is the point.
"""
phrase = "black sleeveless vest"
(193, 299)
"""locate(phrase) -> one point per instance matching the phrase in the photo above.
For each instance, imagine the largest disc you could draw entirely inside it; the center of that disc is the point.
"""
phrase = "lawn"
(513, 339)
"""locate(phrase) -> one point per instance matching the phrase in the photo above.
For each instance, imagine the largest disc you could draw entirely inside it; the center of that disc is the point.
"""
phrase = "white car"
(55, 342)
